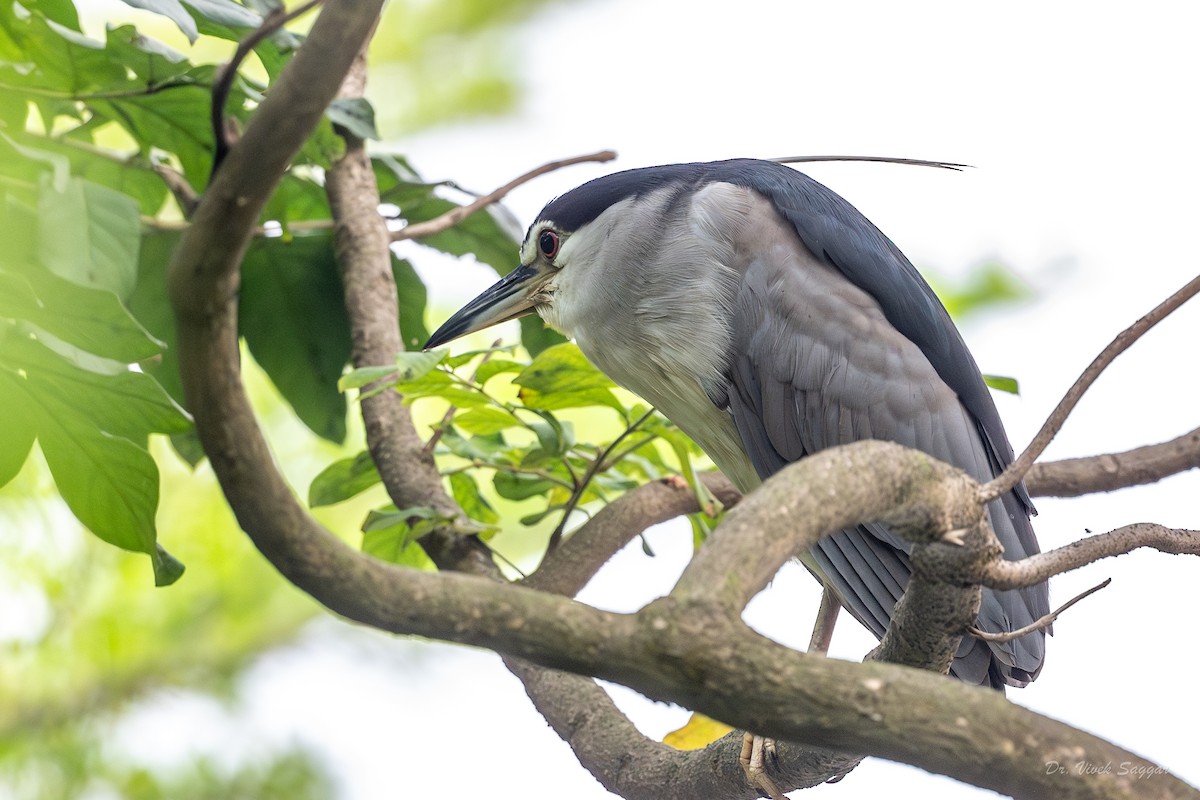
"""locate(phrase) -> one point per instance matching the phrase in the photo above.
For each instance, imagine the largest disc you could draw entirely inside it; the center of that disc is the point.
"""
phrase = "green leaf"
(151, 61)
(1002, 383)
(392, 535)
(362, 376)
(297, 198)
(486, 420)
(224, 13)
(293, 318)
(167, 568)
(175, 120)
(60, 11)
(519, 486)
(497, 366)
(481, 448)
(109, 483)
(414, 366)
(536, 336)
(412, 298)
(342, 480)
(985, 286)
(172, 10)
(466, 494)
(90, 319)
(443, 386)
(89, 234)
(355, 114)
(121, 402)
(60, 61)
(19, 428)
(149, 305)
(484, 235)
(561, 377)
(129, 176)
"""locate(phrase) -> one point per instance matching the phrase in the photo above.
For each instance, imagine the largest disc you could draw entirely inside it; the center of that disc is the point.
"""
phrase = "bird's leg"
(758, 750)
(755, 751)
(827, 615)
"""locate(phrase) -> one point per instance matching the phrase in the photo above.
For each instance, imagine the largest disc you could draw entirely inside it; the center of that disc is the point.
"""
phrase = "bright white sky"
(1081, 120)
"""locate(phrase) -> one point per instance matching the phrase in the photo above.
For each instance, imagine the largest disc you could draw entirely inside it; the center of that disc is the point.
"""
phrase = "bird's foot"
(756, 752)
(957, 537)
(676, 482)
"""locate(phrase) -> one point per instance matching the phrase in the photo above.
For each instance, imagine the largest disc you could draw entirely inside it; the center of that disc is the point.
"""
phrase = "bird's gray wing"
(816, 361)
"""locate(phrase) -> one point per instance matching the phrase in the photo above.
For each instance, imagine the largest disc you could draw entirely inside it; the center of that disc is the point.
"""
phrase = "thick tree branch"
(1015, 471)
(784, 518)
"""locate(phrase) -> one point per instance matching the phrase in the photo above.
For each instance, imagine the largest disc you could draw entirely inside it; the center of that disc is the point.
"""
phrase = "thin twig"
(186, 196)
(1036, 625)
(226, 73)
(1017, 469)
(915, 162)
(592, 470)
(439, 430)
(1003, 574)
(454, 216)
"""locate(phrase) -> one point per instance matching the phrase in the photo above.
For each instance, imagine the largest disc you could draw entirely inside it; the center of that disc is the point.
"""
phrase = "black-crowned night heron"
(769, 319)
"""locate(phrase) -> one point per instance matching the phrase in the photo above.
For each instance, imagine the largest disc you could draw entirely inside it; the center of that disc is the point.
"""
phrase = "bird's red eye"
(548, 243)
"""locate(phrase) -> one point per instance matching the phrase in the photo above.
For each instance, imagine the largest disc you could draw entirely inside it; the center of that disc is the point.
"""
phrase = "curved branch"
(570, 566)
(457, 215)
(787, 515)
(1033, 570)
(1073, 477)
(1016, 470)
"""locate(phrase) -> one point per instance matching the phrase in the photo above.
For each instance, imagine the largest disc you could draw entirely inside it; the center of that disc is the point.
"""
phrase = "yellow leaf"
(700, 731)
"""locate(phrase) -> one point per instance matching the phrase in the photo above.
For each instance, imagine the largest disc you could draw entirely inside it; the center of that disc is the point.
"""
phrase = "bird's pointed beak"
(516, 295)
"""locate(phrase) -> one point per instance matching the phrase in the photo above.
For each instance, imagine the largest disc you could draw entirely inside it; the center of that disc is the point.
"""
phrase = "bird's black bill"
(508, 299)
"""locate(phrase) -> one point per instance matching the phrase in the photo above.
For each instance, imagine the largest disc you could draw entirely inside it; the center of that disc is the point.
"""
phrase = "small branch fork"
(1041, 623)
(226, 74)
(749, 681)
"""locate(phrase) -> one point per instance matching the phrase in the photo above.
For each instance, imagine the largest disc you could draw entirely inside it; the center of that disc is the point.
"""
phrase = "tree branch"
(1016, 470)
(361, 238)
(454, 216)
(1037, 568)
(568, 569)
(1072, 477)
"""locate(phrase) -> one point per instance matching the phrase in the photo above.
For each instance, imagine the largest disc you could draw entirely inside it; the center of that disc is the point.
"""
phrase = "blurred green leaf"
(89, 234)
(172, 10)
(466, 494)
(1002, 383)
(518, 486)
(985, 286)
(486, 420)
(342, 480)
(355, 114)
(536, 336)
(293, 317)
(411, 297)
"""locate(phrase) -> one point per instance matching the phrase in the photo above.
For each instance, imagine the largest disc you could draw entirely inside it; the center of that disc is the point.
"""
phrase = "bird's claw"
(956, 537)
(756, 752)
